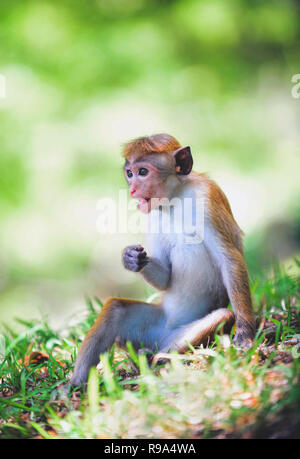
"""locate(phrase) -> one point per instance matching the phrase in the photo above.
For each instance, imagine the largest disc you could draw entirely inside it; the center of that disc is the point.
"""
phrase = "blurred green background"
(84, 76)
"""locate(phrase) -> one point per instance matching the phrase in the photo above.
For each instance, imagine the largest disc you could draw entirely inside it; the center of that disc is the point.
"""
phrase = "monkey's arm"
(235, 278)
(156, 274)
(224, 240)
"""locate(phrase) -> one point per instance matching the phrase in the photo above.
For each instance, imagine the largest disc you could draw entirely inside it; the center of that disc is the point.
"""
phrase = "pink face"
(145, 182)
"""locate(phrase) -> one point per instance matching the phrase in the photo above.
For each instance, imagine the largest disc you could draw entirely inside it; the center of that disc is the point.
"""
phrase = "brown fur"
(159, 143)
(230, 235)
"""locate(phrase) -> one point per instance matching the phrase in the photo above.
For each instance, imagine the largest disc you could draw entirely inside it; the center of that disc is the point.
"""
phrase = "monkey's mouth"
(144, 204)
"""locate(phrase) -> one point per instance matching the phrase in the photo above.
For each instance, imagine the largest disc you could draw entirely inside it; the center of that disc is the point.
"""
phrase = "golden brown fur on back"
(230, 234)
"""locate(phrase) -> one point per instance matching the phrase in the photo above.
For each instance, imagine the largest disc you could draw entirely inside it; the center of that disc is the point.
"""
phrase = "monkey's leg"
(196, 332)
(123, 320)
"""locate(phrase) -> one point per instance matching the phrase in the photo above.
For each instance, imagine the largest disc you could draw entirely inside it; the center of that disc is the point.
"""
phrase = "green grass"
(219, 392)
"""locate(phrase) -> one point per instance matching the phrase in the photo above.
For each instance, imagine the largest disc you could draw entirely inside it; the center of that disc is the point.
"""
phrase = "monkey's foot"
(72, 384)
(242, 341)
(147, 353)
(160, 359)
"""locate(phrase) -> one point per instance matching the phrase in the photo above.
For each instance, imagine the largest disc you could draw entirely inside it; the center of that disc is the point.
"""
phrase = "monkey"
(197, 279)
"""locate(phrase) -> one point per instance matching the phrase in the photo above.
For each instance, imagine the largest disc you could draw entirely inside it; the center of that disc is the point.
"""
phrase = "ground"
(213, 392)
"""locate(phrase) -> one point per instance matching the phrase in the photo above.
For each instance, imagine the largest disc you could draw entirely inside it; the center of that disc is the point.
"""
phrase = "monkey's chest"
(193, 264)
(196, 283)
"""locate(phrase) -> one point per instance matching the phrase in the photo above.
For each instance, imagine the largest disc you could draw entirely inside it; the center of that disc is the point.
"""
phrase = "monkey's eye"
(143, 171)
(129, 173)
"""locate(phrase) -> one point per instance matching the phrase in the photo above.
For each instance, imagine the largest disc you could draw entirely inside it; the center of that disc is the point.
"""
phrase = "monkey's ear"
(184, 160)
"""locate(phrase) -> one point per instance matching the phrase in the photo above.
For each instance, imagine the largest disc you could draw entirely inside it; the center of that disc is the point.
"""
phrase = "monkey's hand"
(134, 258)
(242, 341)
(245, 333)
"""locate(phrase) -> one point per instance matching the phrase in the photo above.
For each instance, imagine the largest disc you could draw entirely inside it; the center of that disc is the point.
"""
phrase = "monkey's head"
(153, 166)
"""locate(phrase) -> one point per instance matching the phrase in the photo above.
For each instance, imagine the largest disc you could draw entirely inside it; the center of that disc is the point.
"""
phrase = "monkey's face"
(148, 182)
(153, 177)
